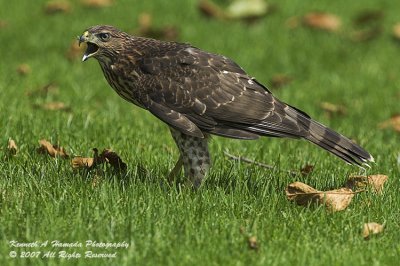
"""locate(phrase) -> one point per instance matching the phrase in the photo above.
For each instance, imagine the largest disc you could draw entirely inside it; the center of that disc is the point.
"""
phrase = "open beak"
(91, 49)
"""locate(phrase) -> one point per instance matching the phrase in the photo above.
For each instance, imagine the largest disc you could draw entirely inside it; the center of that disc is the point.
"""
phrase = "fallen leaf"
(371, 229)
(24, 69)
(280, 80)
(50, 149)
(146, 29)
(81, 162)
(307, 169)
(338, 199)
(74, 51)
(293, 22)
(96, 3)
(393, 122)
(54, 7)
(252, 242)
(44, 90)
(365, 35)
(113, 159)
(332, 109)
(362, 182)
(369, 16)
(247, 9)
(210, 9)
(322, 21)
(3, 24)
(12, 147)
(335, 200)
(107, 155)
(301, 193)
(54, 106)
(396, 31)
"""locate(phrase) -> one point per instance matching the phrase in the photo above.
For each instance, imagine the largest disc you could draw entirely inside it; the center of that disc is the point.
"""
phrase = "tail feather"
(334, 142)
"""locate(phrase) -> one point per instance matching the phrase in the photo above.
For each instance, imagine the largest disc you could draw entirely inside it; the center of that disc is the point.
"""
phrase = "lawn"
(45, 199)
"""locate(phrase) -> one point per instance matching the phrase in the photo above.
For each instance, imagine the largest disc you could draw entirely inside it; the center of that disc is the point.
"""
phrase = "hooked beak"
(91, 49)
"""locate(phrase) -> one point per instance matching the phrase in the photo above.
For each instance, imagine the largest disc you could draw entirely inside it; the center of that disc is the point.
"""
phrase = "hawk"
(198, 94)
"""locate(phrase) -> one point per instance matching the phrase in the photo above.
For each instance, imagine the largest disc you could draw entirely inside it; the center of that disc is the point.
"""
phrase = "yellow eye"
(104, 36)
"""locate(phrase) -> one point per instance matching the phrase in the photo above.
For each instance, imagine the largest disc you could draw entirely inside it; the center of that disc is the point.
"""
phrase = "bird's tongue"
(90, 50)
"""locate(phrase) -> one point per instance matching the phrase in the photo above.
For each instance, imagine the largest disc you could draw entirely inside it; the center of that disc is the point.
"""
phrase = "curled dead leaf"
(376, 182)
(114, 160)
(335, 200)
(210, 9)
(3, 24)
(393, 122)
(53, 7)
(252, 242)
(44, 90)
(369, 16)
(332, 109)
(322, 21)
(24, 69)
(12, 147)
(396, 31)
(247, 9)
(371, 229)
(50, 149)
(81, 162)
(54, 106)
(96, 3)
(338, 199)
(146, 29)
(107, 155)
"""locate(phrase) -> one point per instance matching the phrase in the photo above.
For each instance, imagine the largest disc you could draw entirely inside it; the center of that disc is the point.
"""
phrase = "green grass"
(44, 199)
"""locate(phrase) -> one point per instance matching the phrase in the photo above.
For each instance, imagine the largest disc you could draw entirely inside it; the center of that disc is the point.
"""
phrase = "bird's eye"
(104, 36)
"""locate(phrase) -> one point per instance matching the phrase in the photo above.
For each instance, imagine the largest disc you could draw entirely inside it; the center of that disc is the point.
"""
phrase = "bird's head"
(103, 42)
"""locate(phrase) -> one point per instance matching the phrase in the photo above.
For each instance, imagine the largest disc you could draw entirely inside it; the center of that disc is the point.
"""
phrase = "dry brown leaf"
(74, 51)
(371, 229)
(81, 162)
(96, 3)
(307, 169)
(362, 182)
(12, 147)
(396, 31)
(332, 109)
(335, 200)
(338, 199)
(53, 7)
(44, 90)
(322, 21)
(365, 35)
(113, 159)
(252, 242)
(293, 22)
(280, 80)
(54, 106)
(210, 9)
(24, 69)
(369, 16)
(146, 29)
(247, 9)
(301, 193)
(107, 155)
(50, 149)
(393, 122)
(3, 24)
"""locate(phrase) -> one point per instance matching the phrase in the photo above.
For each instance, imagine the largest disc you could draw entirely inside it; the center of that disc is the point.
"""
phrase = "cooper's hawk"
(198, 93)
